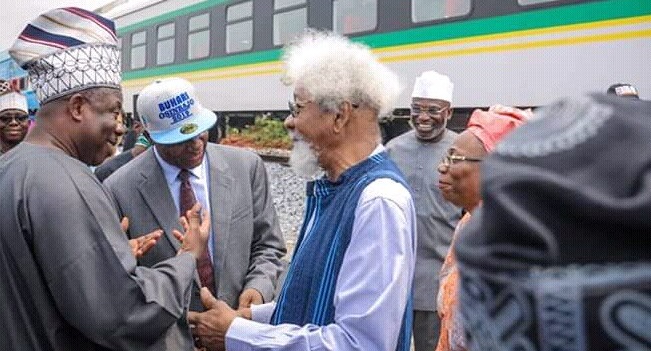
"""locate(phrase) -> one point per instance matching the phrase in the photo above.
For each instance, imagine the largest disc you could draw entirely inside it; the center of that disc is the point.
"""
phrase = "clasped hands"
(209, 328)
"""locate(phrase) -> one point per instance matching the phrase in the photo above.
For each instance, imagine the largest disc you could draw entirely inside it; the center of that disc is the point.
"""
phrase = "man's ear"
(76, 105)
(450, 113)
(343, 116)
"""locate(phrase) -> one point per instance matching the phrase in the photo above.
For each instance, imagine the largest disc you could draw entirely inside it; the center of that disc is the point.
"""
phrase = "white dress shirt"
(371, 291)
(199, 180)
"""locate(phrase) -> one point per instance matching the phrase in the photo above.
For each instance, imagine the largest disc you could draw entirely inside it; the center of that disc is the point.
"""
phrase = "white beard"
(303, 160)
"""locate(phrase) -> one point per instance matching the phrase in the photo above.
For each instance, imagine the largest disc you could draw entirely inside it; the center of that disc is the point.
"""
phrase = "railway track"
(274, 155)
(284, 160)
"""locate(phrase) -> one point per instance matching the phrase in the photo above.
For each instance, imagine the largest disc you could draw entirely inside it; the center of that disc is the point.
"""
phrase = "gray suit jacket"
(436, 217)
(247, 238)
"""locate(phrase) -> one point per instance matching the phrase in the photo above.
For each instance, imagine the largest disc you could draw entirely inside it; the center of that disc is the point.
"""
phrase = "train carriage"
(516, 52)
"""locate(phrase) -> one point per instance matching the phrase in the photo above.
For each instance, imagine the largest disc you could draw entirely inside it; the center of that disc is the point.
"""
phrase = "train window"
(532, 2)
(166, 31)
(199, 22)
(239, 11)
(165, 44)
(288, 23)
(138, 50)
(239, 36)
(281, 4)
(354, 16)
(428, 10)
(199, 36)
(239, 27)
(139, 38)
(120, 48)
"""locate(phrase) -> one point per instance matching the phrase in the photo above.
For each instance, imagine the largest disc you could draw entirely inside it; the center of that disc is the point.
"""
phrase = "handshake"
(209, 328)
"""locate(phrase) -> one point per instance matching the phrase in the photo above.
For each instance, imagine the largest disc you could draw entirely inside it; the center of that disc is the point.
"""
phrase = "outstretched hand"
(196, 225)
(141, 245)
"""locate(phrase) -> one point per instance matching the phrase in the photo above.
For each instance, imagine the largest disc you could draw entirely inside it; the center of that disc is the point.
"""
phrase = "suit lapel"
(155, 191)
(221, 195)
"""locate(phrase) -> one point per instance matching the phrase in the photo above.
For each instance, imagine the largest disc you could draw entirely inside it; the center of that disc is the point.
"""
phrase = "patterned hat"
(557, 257)
(13, 101)
(5, 86)
(67, 50)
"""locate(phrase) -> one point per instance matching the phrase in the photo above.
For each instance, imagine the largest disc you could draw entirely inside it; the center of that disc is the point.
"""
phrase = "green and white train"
(515, 52)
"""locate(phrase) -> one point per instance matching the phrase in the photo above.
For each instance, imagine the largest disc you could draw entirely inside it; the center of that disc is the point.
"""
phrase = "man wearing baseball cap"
(242, 260)
(14, 118)
(417, 153)
(69, 275)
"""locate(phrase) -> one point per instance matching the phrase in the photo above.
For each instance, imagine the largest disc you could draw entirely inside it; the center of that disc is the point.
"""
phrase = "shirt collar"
(379, 148)
(323, 187)
(171, 172)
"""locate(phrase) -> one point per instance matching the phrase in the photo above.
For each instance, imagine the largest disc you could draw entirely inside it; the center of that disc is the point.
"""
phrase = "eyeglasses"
(430, 111)
(295, 108)
(454, 159)
(20, 118)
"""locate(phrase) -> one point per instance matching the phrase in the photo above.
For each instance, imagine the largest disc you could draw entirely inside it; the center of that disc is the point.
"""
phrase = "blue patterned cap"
(68, 50)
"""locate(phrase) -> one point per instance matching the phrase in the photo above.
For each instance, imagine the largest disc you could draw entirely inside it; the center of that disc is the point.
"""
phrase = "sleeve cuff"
(262, 313)
(241, 334)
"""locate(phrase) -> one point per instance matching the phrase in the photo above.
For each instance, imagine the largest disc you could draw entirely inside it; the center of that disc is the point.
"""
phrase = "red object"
(492, 125)
(186, 201)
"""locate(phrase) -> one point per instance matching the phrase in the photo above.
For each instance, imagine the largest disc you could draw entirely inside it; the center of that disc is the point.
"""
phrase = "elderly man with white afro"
(349, 284)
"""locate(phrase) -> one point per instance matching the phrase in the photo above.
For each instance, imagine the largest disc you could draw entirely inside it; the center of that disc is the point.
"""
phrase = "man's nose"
(442, 168)
(289, 122)
(120, 129)
(194, 143)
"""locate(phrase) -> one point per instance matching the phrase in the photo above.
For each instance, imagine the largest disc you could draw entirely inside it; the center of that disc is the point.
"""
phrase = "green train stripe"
(545, 18)
(536, 19)
(218, 62)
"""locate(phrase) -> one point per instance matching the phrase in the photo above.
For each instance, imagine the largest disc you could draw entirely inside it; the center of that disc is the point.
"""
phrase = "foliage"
(264, 133)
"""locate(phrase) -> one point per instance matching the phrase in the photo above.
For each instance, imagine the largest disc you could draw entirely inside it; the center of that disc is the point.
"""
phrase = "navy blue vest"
(308, 293)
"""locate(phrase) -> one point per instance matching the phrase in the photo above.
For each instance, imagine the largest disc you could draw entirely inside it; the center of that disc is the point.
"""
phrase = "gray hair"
(333, 69)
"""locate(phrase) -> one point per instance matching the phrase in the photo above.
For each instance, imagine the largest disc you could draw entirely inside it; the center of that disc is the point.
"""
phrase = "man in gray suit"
(242, 262)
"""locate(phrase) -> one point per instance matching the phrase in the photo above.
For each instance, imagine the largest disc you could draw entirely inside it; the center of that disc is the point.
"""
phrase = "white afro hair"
(333, 69)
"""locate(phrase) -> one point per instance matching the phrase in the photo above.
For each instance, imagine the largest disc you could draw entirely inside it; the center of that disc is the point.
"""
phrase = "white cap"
(13, 100)
(171, 112)
(433, 85)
